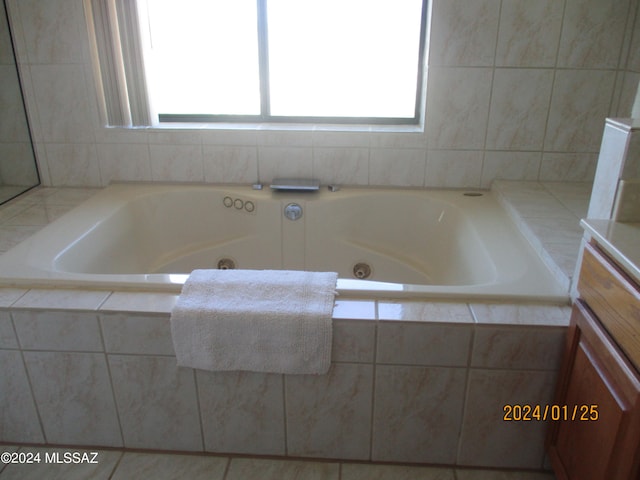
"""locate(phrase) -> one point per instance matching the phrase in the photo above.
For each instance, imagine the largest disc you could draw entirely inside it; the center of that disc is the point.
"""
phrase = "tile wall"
(517, 90)
(415, 382)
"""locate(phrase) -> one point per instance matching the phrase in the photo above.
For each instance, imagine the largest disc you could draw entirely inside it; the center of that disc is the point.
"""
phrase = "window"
(329, 61)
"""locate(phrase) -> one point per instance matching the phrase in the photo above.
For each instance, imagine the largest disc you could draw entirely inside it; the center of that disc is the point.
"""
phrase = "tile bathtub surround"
(407, 376)
(25, 215)
(415, 406)
(548, 214)
(537, 207)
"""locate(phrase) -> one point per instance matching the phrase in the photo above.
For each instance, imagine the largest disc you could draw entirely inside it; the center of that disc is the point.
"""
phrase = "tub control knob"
(293, 211)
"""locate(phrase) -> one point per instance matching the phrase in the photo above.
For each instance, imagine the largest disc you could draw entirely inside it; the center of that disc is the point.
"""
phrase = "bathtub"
(386, 243)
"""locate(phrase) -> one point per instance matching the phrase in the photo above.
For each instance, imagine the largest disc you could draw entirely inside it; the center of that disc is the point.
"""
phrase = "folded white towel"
(256, 320)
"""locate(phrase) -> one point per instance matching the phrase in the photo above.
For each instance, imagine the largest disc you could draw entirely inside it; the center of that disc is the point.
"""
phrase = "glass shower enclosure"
(18, 169)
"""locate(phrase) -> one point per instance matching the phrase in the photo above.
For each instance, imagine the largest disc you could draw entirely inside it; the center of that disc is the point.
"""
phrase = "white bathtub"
(417, 243)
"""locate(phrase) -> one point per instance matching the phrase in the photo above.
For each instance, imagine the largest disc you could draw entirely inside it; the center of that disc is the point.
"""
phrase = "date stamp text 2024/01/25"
(531, 413)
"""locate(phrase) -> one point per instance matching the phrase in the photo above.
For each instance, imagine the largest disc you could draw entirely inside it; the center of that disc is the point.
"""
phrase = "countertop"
(621, 240)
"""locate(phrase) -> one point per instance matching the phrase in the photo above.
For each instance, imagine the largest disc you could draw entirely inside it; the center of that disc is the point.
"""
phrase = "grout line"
(553, 87)
(374, 366)
(284, 414)
(111, 389)
(29, 381)
(113, 397)
(198, 406)
(373, 388)
(227, 467)
(465, 394)
(117, 465)
(104, 300)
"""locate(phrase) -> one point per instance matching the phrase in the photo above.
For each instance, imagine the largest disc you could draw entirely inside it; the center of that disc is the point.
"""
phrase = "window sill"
(277, 127)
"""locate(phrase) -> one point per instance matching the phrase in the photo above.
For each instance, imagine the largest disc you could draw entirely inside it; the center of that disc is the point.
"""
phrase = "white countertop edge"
(620, 240)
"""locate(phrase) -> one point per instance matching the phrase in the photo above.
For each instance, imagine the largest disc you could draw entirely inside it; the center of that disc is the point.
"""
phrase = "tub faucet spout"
(297, 184)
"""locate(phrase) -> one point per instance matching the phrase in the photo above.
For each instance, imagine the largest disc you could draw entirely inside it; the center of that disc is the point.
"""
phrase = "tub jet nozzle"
(361, 271)
(226, 264)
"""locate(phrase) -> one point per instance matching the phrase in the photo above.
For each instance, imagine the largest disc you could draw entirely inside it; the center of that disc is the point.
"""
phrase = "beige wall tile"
(137, 334)
(518, 348)
(488, 440)
(330, 415)
(458, 107)
(592, 33)
(464, 33)
(58, 331)
(519, 106)
(417, 414)
(432, 344)
(242, 412)
(529, 33)
(579, 105)
(18, 415)
(73, 394)
(156, 403)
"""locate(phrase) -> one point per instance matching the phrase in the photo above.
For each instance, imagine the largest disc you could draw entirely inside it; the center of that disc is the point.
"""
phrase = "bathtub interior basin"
(384, 242)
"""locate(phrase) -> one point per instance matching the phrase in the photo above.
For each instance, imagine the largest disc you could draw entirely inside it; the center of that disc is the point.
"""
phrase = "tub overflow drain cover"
(293, 211)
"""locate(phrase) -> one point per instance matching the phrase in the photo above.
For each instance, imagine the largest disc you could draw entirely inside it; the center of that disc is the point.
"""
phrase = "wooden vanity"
(596, 432)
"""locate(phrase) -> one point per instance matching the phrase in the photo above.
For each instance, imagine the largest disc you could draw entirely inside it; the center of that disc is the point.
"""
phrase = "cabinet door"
(601, 441)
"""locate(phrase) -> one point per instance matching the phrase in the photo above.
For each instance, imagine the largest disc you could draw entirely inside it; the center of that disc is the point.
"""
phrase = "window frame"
(117, 41)
(266, 117)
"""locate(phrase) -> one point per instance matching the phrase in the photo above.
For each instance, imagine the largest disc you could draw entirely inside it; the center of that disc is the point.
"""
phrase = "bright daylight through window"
(338, 61)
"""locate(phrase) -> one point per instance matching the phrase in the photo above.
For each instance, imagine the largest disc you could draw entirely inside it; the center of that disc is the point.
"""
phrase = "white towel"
(256, 320)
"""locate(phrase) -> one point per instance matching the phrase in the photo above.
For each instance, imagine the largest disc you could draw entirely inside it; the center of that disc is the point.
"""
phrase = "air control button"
(227, 202)
(238, 204)
(249, 206)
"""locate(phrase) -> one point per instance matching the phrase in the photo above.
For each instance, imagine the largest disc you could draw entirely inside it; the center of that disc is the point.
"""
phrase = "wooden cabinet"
(614, 298)
(598, 392)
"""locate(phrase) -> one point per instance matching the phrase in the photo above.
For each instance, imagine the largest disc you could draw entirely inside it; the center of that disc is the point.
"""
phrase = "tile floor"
(120, 465)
